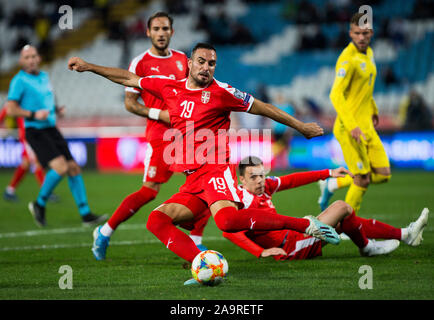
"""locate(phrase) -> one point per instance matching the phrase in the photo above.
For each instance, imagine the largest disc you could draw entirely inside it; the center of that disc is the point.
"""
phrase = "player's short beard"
(200, 82)
(158, 47)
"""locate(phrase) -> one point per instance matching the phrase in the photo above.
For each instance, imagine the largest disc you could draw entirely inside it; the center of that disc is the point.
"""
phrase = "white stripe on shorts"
(230, 182)
(301, 244)
(147, 161)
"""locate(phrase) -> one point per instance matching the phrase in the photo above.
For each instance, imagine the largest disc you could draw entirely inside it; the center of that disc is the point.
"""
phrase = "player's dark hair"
(250, 161)
(356, 18)
(202, 45)
(160, 14)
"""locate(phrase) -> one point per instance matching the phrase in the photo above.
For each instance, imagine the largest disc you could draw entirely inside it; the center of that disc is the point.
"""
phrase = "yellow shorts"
(360, 158)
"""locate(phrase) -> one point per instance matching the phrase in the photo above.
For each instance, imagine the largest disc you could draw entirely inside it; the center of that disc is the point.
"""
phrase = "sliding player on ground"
(257, 192)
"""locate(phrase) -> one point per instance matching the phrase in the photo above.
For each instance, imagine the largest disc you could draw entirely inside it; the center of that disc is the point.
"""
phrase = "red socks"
(130, 205)
(196, 227)
(40, 175)
(174, 239)
(230, 219)
(17, 177)
(353, 228)
(375, 229)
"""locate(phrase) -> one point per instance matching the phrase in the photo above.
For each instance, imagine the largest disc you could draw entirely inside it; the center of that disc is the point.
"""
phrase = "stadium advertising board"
(405, 150)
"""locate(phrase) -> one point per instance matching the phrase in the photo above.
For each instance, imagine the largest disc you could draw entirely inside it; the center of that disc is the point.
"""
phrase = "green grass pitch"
(138, 266)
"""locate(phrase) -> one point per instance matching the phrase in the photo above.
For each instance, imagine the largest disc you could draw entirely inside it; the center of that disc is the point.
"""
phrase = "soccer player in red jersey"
(198, 109)
(257, 192)
(156, 61)
(27, 158)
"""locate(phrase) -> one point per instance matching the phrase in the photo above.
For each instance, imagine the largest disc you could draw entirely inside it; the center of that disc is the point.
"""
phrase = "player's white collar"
(160, 57)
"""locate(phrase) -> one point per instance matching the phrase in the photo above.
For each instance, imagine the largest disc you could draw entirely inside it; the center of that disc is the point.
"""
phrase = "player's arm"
(134, 106)
(116, 75)
(244, 242)
(344, 74)
(309, 130)
(14, 110)
(298, 179)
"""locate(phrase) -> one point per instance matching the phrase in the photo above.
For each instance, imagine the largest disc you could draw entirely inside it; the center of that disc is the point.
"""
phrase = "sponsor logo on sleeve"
(246, 99)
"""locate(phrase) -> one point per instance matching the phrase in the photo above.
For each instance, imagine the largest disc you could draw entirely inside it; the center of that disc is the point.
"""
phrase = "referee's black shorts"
(47, 143)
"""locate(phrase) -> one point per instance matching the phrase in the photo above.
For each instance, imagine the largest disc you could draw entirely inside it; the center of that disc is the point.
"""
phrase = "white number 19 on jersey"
(187, 108)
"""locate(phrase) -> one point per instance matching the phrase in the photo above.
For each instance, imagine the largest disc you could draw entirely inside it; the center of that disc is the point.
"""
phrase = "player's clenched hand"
(311, 129)
(341, 172)
(273, 252)
(77, 64)
(357, 133)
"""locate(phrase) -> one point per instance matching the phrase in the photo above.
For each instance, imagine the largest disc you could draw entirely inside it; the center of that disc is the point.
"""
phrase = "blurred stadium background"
(282, 52)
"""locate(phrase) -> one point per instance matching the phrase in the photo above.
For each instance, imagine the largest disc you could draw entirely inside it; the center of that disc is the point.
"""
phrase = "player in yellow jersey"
(357, 117)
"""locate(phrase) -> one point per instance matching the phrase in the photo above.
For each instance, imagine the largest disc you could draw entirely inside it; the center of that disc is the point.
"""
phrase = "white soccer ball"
(209, 268)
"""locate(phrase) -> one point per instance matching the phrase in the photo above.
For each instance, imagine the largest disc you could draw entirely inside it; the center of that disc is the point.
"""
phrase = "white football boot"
(375, 248)
(415, 229)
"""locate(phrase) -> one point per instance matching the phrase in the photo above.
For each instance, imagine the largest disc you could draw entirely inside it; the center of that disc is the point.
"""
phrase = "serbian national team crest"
(152, 171)
(179, 65)
(205, 96)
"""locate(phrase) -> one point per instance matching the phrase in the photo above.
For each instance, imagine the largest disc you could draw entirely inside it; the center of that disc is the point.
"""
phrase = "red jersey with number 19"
(199, 119)
(146, 64)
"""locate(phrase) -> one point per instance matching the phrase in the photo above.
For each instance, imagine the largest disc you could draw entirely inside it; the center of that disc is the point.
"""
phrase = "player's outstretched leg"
(229, 219)
(353, 226)
(128, 207)
(413, 233)
(161, 225)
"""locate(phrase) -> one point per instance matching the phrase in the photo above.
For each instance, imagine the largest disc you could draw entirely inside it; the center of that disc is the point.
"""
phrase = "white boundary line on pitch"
(33, 233)
(89, 244)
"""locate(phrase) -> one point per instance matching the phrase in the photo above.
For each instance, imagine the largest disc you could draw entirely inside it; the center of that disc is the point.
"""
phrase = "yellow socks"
(344, 181)
(354, 196)
(379, 178)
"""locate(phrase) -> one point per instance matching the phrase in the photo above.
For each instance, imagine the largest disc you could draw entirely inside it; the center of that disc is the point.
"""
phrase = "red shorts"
(156, 169)
(213, 182)
(300, 246)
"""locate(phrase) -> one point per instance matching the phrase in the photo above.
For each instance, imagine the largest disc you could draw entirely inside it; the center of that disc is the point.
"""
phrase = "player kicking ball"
(201, 104)
(158, 60)
(257, 192)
